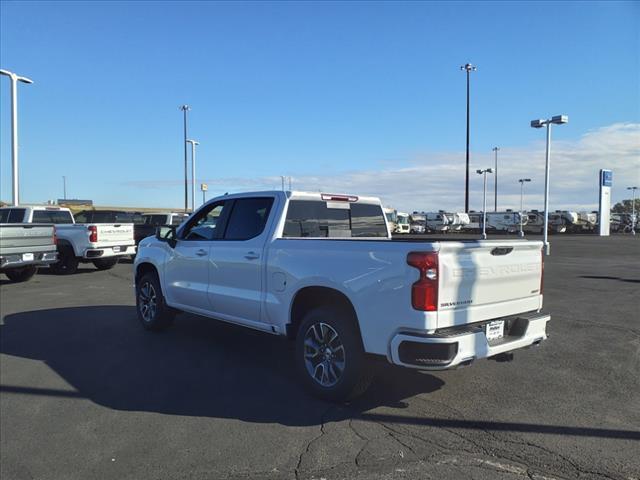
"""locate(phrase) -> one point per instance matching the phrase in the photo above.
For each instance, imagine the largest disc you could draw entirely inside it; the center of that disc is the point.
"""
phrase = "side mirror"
(167, 234)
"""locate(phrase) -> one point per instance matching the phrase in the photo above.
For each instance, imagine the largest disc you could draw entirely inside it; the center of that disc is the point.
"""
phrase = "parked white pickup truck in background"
(323, 269)
(25, 247)
(102, 244)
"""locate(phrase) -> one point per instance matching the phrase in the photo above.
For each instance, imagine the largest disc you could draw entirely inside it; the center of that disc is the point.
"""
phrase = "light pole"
(193, 173)
(522, 182)
(64, 186)
(495, 181)
(185, 109)
(633, 209)
(14, 129)
(558, 120)
(484, 201)
(468, 68)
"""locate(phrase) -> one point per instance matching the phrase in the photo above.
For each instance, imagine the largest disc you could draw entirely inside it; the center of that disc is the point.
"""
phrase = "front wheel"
(105, 263)
(330, 356)
(21, 274)
(153, 312)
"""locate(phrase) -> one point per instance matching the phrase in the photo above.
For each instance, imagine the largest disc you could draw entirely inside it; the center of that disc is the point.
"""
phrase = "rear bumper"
(26, 259)
(114, 251)
(456, 346)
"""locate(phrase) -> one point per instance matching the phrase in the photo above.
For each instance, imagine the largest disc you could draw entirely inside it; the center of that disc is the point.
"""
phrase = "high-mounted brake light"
(93, 233)
(330, 197)
(424, 292)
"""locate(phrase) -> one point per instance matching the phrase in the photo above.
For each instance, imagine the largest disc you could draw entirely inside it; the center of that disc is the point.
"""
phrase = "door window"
(248, 218)
(206, 224)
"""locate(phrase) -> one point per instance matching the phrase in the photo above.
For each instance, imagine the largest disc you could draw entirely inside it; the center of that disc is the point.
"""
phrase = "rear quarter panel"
(373, 274)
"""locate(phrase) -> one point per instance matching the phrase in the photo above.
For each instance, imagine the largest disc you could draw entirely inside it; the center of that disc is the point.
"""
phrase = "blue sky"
(362, 96)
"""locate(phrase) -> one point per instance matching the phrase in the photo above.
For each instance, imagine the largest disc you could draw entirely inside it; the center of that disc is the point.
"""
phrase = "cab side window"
(206, 224)
(16, 215)
(248, 218)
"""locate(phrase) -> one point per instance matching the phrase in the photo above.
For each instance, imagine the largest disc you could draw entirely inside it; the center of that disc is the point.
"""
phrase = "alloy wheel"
(147, 301)
(324, 354)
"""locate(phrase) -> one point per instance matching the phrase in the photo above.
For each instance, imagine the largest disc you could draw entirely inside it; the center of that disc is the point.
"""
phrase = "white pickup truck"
(25, 247)
(323, 270)
(103, 244)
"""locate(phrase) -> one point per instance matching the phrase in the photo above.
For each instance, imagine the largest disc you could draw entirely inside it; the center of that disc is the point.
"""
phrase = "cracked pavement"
(85, 393)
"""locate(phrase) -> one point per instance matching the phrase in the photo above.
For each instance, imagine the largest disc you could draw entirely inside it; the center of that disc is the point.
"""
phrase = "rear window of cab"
(320, 219)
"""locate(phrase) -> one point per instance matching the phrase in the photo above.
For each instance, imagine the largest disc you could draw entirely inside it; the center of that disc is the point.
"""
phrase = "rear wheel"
(105, 263)
(330, 357)
(153, 312)
(67, 262)
(21, 274)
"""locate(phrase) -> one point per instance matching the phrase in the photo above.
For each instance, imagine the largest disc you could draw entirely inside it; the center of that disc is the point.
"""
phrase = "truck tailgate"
(114, 234)
(17, 238)
(488, 279)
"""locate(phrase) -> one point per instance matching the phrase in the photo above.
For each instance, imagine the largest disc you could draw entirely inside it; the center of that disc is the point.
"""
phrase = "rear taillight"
(541, 270)
(93, 233)
(424, 292)
(55, 238)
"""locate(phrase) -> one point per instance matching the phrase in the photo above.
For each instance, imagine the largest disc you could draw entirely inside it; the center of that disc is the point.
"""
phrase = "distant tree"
(625, 206)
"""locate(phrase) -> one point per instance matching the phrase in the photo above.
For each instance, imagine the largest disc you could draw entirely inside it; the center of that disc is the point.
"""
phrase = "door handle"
(201, 253)
(251, 256)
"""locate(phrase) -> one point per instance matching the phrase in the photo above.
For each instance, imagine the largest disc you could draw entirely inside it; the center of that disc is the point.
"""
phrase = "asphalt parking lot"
(87, 393)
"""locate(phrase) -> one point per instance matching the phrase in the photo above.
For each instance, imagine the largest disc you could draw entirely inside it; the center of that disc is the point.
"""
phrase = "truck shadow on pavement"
(199, 367)
(606, 277)
(205, 368)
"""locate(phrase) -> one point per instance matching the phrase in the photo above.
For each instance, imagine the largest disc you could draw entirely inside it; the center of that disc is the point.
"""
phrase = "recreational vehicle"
(457, 220)
(392, 217)
(402, 223)
(418, 222)
(437, 221)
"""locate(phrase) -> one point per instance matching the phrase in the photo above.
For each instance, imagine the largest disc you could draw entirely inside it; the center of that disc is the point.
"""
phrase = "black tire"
(345, 349)
(67, 263)
(105, 263)
(21, 274)
(153, 312)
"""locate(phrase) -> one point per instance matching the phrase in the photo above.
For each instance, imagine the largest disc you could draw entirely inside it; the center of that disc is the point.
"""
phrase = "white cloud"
(436, 181)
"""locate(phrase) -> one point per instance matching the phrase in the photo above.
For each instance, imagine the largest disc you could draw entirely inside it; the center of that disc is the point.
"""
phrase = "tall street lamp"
(484, 201)
(633, 209)
(495, 181)
(468, 68)
(14, 129)
(64, 186)
(193, 173)
(185, 109)
(522, 182)
(558, 120)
